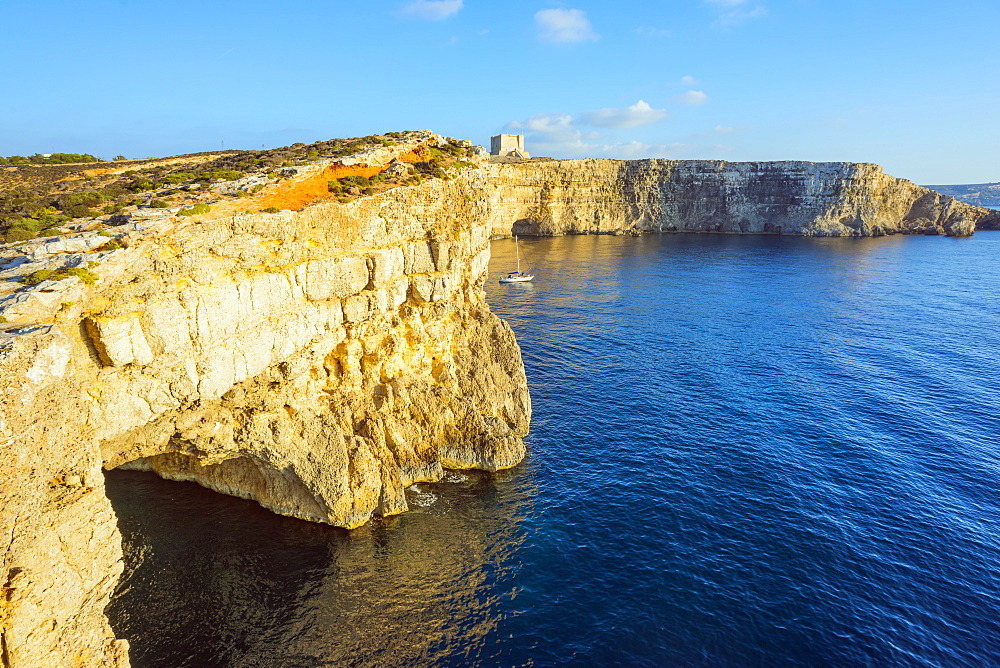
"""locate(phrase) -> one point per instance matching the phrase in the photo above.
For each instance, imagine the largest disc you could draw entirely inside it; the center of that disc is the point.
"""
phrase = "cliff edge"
(316, 361)
(590, 196)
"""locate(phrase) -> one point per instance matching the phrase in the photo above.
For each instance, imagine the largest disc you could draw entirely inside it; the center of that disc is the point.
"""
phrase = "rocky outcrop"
(317, 362)
(803, 198)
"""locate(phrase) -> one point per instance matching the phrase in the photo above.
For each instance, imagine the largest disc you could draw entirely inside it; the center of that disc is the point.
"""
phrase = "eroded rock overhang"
(316, 361)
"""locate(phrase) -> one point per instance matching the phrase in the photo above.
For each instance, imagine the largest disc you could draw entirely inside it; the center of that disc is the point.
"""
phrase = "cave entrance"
(206, 573)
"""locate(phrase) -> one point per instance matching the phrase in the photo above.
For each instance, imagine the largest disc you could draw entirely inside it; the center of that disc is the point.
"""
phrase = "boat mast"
(517, 254)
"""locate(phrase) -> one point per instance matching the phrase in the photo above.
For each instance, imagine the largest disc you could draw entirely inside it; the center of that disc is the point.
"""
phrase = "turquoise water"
(745, 451)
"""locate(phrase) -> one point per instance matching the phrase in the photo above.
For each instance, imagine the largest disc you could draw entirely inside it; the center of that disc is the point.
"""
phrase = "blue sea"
(745, 451)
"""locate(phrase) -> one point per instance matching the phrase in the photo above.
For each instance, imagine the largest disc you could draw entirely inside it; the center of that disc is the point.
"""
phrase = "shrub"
(79, 211)
(334, 186)
(271, 209)
(114, 244)
(177, 177)
(355, 181)
(29, 224)
(224, 174)
(2, 319)
(104, 233)
(51, 232)
(195, 210)
(85, 275)
(18, 235)
(36, 277)
(89, 198)
(159, 204)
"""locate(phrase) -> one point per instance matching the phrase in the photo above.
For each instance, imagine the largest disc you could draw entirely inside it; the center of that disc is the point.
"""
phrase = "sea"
(745, 451)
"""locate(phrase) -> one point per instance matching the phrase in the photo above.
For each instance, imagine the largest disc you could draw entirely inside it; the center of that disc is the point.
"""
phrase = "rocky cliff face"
(813, 199)
(317, 362)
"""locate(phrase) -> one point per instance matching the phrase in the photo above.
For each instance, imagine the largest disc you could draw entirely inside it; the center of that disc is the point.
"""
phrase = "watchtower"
(508, 145)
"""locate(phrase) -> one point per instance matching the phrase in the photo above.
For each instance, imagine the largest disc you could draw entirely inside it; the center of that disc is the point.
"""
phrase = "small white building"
(508, 145)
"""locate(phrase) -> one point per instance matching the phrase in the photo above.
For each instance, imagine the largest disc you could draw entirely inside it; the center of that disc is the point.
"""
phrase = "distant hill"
(980, 194)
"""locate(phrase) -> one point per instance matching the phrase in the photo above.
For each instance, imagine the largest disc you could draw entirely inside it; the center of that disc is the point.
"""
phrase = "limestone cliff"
(317, 361)
(804, 198)
(320, 360)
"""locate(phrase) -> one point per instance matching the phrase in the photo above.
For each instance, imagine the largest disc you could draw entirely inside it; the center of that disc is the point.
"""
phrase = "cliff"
(320, 360)
(803, 198)
(317, 361)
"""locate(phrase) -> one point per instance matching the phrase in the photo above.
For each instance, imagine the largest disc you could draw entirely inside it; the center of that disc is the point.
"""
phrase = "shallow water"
(744, 451)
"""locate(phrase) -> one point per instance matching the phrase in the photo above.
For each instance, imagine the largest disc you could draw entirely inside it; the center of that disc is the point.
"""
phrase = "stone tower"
(508, 145)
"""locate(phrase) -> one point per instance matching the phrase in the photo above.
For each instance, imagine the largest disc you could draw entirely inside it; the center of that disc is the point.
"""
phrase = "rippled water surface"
(745, 451)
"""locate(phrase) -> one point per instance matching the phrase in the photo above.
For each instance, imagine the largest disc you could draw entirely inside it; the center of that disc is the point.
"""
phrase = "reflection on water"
(219, 581)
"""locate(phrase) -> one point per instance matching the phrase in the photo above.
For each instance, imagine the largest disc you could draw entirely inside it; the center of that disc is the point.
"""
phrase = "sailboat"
(516, 276)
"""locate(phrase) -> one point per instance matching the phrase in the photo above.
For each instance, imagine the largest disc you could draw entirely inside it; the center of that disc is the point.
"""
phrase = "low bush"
(18, 235)
(195, 210)
(36, 277)
(159, 204)
(114, 244)
(85, 275)
(271, 209)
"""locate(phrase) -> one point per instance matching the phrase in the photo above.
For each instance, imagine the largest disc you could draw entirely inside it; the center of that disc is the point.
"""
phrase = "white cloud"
(725, 3)
(693, 97)
(554, 125)
(562, 26)
(434, 10)
(723, 129)
(555, 135)
(688, 80)
(632, 116)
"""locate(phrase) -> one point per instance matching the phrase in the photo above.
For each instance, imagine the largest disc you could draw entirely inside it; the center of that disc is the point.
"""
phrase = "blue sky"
(913, 86)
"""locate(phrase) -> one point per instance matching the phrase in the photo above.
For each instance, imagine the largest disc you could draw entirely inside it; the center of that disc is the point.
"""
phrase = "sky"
(913, 86)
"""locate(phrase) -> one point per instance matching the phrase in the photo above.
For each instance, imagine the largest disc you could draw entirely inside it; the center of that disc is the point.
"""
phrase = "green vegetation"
(18, 235)
(195, 210)
(41, 193)
(36, 277)
(51, 159)
(114, 244)
(270, 209)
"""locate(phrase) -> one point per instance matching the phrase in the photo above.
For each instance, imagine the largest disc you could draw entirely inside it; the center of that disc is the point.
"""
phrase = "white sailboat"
(517, 276)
